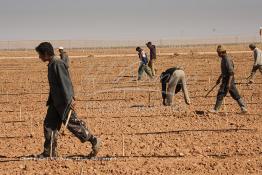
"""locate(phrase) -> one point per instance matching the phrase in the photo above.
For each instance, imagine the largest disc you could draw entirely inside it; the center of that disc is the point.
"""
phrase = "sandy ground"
(140, 136)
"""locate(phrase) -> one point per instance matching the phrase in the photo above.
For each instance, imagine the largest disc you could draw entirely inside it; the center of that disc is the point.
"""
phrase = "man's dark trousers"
(52, 125)
(222, 92)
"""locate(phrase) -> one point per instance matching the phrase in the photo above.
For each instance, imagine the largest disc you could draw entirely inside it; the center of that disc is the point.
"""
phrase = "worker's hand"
(73, 104)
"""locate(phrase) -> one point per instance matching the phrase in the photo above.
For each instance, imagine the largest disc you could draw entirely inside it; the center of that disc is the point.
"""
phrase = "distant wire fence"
(74, 44)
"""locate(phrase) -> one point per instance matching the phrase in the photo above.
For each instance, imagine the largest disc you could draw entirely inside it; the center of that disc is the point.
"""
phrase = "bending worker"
(173, 80)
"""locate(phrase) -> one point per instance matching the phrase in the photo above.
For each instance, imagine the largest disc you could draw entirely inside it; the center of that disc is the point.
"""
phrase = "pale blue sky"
(127, 19)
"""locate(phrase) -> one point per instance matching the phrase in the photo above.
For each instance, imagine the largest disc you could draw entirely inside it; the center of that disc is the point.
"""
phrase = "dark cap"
(138, 49)
(221, 49)
(252, 46)
(149, 43)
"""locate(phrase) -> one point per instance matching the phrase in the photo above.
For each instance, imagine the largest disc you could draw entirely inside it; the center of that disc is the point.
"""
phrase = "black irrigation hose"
(158, 132)
(184, 131)
(15, 121)
(110, 158)
(197, 130)
(15, 137)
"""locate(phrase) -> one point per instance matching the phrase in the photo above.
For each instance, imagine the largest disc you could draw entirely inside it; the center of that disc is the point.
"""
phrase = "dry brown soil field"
(139, 134)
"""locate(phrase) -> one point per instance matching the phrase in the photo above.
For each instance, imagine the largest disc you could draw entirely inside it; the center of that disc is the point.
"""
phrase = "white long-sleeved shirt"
(257, 57)
(143, 57)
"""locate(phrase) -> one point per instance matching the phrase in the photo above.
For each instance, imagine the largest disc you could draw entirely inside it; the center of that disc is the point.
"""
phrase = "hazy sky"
(127, 19)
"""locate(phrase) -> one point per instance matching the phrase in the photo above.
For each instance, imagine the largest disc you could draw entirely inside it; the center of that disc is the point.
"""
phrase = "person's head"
(221, 50)
(60, 49)
(45, 51)
(138, 49)
(252, 46)
(149, 44)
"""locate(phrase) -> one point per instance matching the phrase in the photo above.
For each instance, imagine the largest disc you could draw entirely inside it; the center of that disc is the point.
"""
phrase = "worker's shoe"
(244, 110)
(213, 111)
(96, 144)
(45, 155)
(167, 103)
(217, 106)
(242, 105)
(188, 102)
(168, 100)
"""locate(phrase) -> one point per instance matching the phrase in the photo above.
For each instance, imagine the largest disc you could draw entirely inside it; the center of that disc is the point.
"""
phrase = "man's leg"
(235, 95)
(52, 125)
(260, 69)
(140, 71)
(171, 88)
(222, 92)
(148, 71)
(151, 65)
(253, 72)
(154, 66)
(184, 86)
(80, 130)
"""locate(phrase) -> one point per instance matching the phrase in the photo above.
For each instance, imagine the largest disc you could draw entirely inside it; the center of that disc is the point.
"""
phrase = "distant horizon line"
(159, 39)
(72, 44)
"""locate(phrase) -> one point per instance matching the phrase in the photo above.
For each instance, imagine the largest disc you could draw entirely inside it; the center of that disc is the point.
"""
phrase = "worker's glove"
(73, 104)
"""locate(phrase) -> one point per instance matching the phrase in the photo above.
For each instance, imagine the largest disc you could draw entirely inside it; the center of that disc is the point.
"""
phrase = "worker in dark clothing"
(173, 80)
(257, 62)
(228, 82)
(63, 55)
(143, 66)
(152, 60)
(60, 104)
